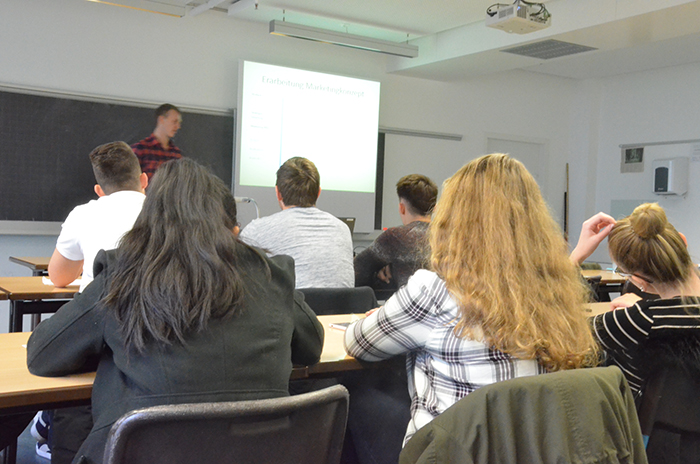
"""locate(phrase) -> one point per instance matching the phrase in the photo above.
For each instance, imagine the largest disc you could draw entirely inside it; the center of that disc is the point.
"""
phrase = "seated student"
(89, 228)
(99, 224)
(400, 251)
(181, 312)
(501, 300)
(647, 248)
(320, 243)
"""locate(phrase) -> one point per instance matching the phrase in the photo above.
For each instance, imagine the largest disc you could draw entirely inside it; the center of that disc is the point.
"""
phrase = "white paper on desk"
(47, 281)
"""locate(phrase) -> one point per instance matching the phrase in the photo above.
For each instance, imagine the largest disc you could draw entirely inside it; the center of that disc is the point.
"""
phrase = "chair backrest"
(325, 301)
(307, 428)
(669, 411)
(581, 415)
(594, 285)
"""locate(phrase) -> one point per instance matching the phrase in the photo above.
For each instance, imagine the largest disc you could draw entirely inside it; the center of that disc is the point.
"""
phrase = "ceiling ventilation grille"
(548, 49)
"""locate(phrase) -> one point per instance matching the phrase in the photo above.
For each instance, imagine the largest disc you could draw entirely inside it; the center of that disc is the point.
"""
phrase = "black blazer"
(247, 356)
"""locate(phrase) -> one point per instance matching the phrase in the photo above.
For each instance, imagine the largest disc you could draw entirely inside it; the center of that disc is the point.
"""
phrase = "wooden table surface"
(593, 309)
(3, 295)
(20, 390)
(33, 288)
(607, 277)
(35, 263)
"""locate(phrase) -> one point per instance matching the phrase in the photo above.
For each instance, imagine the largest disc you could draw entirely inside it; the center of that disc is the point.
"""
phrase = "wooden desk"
(21, 391)
(610, 282)
(29, 295)
(607, 277)
(593, 309)
(38, 265)
(3, 295)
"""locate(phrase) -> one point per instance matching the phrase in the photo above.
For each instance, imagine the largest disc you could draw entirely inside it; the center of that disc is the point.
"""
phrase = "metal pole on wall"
(566, 205)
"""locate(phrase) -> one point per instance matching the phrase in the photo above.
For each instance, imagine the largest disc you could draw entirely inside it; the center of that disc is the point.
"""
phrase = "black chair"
(306, 428)
(580, 415)
(669, 415)
(594, 285)
(326, 301)
(669, 410)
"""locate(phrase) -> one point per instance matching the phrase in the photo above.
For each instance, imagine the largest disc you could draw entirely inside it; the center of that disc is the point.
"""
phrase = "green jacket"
(582, 416)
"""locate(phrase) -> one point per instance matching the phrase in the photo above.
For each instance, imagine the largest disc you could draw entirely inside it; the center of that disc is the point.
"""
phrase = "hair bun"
(648, 220)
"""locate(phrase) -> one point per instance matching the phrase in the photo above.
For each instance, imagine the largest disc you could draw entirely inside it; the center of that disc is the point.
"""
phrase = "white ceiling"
(454, 44)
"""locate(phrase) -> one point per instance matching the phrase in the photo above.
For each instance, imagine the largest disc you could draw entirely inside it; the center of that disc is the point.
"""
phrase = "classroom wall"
(82, 47)
(655, 106)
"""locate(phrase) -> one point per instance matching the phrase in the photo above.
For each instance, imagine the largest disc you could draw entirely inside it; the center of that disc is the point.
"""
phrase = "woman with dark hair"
(181, 312)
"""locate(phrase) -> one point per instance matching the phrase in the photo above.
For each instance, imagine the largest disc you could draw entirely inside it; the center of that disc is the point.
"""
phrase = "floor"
(25, 450)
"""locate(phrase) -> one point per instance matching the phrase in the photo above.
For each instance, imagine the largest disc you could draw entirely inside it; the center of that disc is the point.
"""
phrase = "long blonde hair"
(504, 259)
(646, 243)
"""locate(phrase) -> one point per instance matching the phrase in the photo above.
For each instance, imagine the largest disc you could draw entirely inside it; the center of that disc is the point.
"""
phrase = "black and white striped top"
(622, 332)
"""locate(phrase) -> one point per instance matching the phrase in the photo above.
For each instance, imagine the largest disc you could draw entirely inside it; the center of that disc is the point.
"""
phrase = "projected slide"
(331, 120)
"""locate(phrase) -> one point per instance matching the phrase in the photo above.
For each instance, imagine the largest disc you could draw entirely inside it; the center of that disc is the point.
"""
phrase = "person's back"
(100, 224)
(654, 256)
(400, 251)
(502, 300)
(320, 243)
(230, 329)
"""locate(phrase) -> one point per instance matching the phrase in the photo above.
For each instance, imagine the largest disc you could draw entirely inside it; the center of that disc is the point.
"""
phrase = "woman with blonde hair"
(654, 256)
(502, 299)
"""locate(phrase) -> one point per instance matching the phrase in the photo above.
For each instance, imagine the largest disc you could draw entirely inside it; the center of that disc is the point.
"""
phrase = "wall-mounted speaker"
(671, 176)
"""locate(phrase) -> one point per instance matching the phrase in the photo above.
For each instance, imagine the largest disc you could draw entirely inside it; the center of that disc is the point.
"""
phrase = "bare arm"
(593, 231)
(63, 271)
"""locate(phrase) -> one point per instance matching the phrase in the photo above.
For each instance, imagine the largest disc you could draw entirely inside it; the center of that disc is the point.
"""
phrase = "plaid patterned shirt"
(151, 154)
(442, 368)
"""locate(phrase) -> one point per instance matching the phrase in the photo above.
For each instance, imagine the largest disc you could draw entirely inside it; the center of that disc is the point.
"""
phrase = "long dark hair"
(179, 265)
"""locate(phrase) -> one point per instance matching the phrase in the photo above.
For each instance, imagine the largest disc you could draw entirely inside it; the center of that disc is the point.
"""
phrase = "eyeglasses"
(627, 275)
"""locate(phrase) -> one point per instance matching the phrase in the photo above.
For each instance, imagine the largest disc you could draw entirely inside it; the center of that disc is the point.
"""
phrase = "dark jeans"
(12, 426)
(69, 429)
(380, 409)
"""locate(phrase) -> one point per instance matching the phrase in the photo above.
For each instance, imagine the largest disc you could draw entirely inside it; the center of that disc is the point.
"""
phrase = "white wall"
(655, 106)
(83, 47)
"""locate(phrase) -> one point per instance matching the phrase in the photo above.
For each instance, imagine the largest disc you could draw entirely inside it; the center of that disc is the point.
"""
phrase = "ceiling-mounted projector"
(520, 17)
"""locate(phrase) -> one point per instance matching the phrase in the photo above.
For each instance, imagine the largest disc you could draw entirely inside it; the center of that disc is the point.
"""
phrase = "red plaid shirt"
(151, 154)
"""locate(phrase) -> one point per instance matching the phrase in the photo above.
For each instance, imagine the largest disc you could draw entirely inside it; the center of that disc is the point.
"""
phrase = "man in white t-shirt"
(100, 224)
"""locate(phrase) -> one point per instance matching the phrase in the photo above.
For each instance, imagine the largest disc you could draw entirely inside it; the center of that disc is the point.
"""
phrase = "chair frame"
(255, 411)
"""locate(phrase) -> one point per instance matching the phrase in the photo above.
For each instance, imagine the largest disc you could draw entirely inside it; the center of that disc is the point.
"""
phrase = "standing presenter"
(158, 147)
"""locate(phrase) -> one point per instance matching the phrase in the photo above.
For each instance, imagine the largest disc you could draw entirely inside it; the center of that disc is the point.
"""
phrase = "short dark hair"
(163, 109)
(116, 167)
(419, 192)
(298, 182)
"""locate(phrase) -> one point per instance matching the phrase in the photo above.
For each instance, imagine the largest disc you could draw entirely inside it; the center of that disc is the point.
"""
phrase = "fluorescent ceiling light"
(241, 5)
(339, 38)
(147, 5)
(205, 7)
